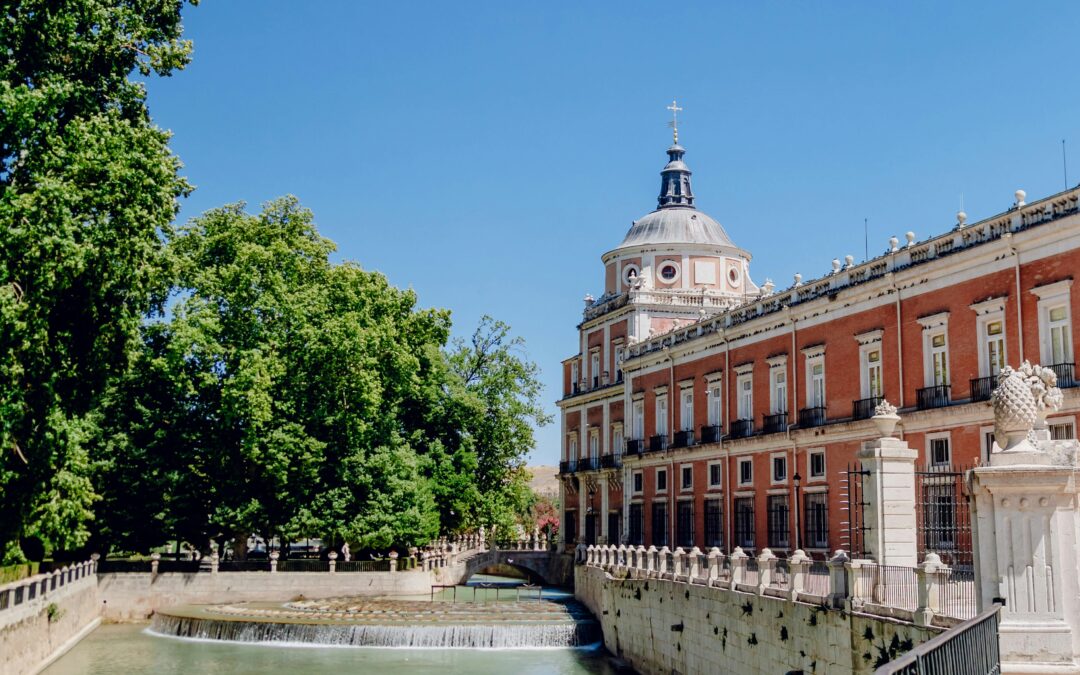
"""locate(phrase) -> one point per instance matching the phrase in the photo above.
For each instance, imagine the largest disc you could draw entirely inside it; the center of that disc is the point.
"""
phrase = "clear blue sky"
(487, 154)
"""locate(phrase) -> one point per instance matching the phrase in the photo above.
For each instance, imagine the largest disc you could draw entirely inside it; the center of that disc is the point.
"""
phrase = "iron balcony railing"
(658, 443)
(982, 387)
(863, 409)
(575, 389)
(742, 428)
(1065, 374)
(936, 396)
(711, 433)
(568, 466)
(596, 382)
(587, 464)
(812, 417)
(683, 439)
(611, 461)
(775, 423)
(635, 446)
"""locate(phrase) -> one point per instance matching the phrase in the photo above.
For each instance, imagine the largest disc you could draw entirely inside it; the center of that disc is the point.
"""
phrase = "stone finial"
(1020, 197)
(961, 220)
(588, 299)
(798, 279)
(835, 265)
(910, 236)
(849, 261)
(1023, 397)
(885, 418)
(894, 244)
(768, 286)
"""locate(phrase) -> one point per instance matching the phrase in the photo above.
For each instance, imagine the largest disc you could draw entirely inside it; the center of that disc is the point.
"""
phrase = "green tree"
(87, 188)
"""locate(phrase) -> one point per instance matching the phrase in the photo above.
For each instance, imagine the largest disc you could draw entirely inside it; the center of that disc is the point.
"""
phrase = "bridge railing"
(970, 648)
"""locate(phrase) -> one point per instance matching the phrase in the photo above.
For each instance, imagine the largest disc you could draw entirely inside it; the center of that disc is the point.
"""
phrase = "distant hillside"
(545, 480)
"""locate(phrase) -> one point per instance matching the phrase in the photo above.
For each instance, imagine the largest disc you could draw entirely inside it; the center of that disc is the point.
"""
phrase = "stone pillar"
(678, 557)
(641, 555)
(798, 565)
(928, 577)
(155, 560)
(650, 561)
(662, 561)
(274, 555)
(333, 561)
(766, 564)
(603, 515)
(694, 569)
(622, 555)
(393, 561)
(214, 559)
(715, 558)
(838, 577)
(738, 566)
(889, 493)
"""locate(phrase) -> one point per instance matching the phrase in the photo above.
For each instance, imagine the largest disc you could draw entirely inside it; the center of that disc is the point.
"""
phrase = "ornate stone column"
(1025, 528)
(889, 493)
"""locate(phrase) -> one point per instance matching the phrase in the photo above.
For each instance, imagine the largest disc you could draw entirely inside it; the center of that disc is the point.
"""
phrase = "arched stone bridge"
(545, 567)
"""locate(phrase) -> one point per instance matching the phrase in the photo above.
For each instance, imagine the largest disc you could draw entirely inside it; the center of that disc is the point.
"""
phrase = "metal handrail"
(970, 648)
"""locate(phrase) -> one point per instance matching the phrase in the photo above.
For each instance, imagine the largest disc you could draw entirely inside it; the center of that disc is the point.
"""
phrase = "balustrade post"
(155, 559)
(738, 566)
(393, 561)
(94, 557)
(590, 556)
(838, 579)
(662, 561)
(715, 560)
(766, 565)
(613, 556)
(798, 565)
(695, 565)
(214, 559)
(621, 552)
(333, 561)
(274, 555)
(853, 574)
(927, 576)
(650, 561)
(678, 557)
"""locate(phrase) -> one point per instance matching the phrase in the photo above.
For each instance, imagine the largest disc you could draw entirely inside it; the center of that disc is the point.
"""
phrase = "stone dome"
(676, 225)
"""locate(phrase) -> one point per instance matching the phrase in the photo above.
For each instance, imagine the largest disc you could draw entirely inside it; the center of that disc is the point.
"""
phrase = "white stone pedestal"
(1026, 525)
(889, 491)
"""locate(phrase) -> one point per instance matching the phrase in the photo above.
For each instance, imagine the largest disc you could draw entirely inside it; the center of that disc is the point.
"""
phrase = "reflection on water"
(128, 648)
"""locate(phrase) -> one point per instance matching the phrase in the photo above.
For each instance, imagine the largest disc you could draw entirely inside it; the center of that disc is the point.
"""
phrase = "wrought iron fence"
(970, 648)
(956, 595)
(817, 579)
(942, 515)
(853, 527)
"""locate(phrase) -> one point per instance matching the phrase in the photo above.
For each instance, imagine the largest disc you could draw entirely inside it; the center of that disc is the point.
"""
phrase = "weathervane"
(674, 123)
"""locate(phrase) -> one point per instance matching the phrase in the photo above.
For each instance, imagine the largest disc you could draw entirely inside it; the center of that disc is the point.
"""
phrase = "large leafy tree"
(87, 188)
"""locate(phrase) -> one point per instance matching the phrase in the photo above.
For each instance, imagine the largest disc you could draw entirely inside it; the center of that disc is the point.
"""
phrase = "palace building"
(703, 410)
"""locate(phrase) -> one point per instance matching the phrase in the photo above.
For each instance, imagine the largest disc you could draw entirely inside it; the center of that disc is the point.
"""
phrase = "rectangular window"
(571, 447)
(714, 524)
(939, 517)
(779, 390)
(817, 520)
(637, 524)
(639, 482)
(939, 360)
(745, 385)
(816, 392)
(684, 523)
(746, 472)
(590, 528)
(687, 414)
(659, 524)
(744, 522)
(595, 363)
(594, 443)
(817, 464)
(1058, 332)
(617, 442)
(1062, 431)
(715, 406)
(779, 469)
(687, 478)
(779, 534)
(661, 415)
(939, 451)
(715, 476)
(618, 363)
(661, 480)
(872, 369)
(994, 346)
(575, 376)
(614, 526)
(638, 420)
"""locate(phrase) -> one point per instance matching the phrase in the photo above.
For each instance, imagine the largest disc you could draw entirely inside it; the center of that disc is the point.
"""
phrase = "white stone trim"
(708, 475)
(738, 471)
(810, 477)
(932, 325)
(686, 384)
(990, 306)
(683, 467)
(656, 480)
(660, 390)
(1050, 296)
(777, 361)
(633, 488)
(928, 438)
(864, 366)
(715, 376)
(660, 275)
(787, 468)
(870, 337)
(988, 312)
(814, 351)
(744, 368)
(1052, 289)
(932, 321)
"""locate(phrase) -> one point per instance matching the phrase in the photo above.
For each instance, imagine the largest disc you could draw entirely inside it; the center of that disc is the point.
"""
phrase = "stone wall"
(38, 630)
(135, 596)
(661, 626)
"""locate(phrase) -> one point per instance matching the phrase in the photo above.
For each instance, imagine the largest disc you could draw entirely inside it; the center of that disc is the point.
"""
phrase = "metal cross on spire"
(674, 123)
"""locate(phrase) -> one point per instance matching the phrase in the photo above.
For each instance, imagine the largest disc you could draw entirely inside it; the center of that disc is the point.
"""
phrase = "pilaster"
(889, 493)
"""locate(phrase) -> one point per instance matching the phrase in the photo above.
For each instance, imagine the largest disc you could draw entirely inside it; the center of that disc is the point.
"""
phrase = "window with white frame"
(661, 480)
(989, 443)
(994, 346)
(816, 464)
(779, 469)
(575, 375)
(571, 446)
(716, 402)
(779, 389)
(594, 443)
(938, 452)
(595, 365)
(745, 386)
(617, 442)
(686, 415)
(1061, 429)
(746, 471)
(637, 420)
(871, 371)
(815, 377)
(618, 363)
(716, 474)
(638, 482)
(935, 349)
(1055, 323)
(686, 480)
(661, 415)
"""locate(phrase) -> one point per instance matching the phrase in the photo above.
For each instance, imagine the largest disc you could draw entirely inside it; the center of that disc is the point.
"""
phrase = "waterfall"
(506, 635)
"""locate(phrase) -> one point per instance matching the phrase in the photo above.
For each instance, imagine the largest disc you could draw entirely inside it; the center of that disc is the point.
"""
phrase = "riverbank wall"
(43, 616)
(135, 596)
(660, 626)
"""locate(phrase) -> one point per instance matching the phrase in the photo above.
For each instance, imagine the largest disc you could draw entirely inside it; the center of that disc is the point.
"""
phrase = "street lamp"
(797, 479)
